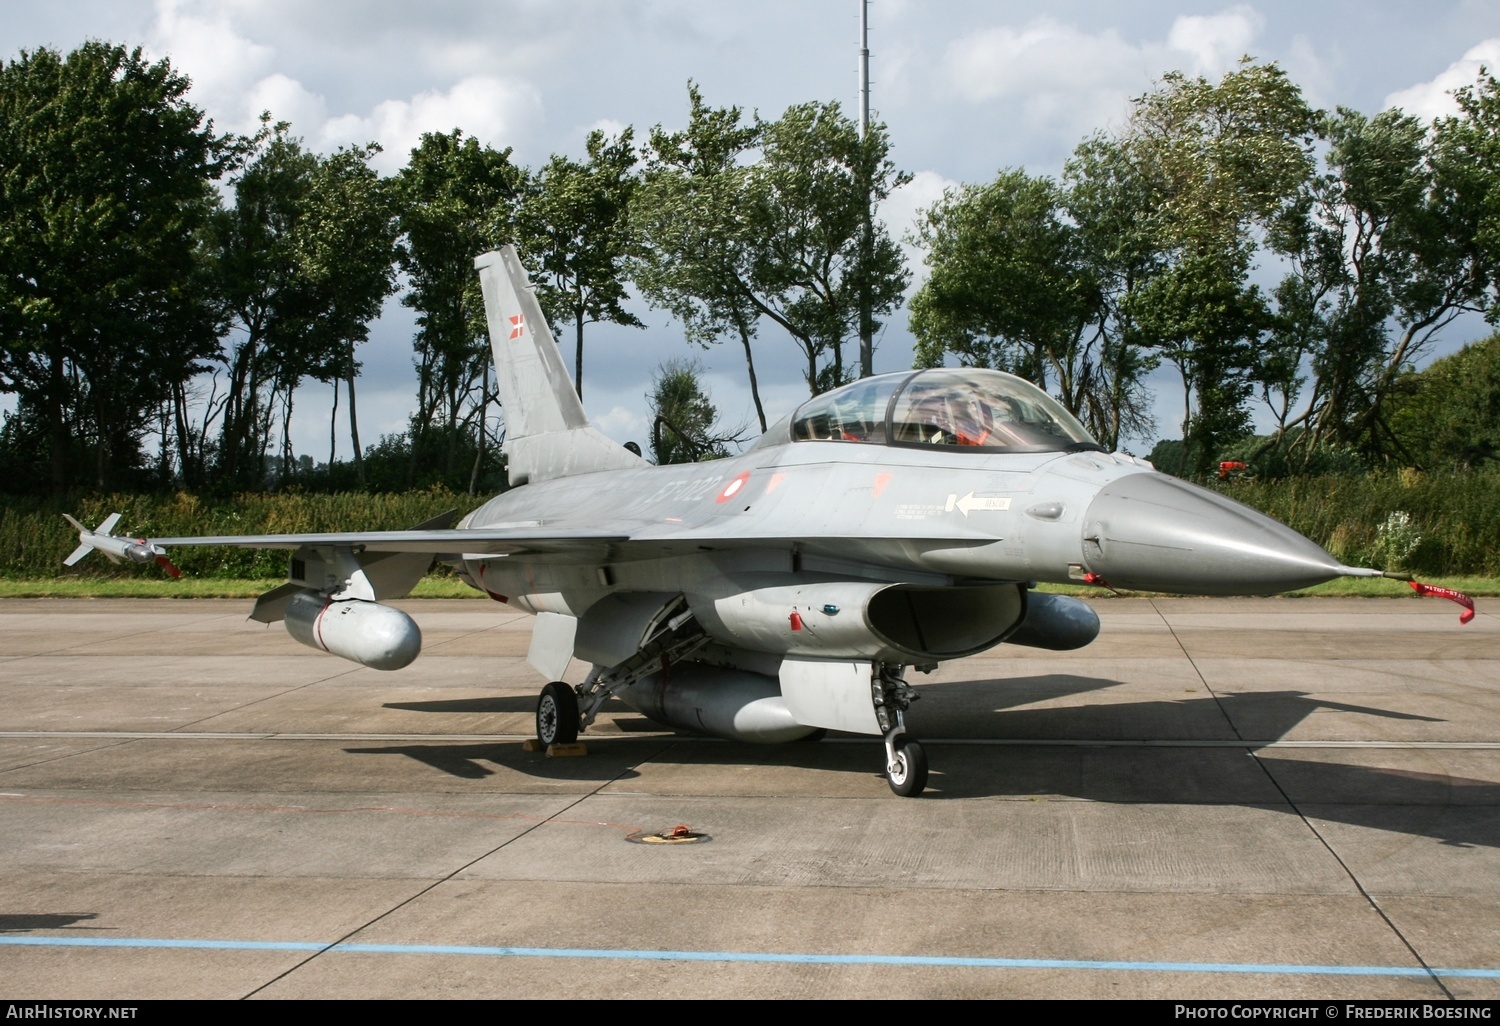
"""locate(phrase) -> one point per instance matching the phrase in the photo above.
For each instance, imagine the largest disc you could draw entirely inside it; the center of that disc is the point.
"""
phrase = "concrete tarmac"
(1220, 798)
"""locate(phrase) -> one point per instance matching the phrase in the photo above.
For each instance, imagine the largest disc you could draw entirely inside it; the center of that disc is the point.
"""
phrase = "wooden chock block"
(567, 751)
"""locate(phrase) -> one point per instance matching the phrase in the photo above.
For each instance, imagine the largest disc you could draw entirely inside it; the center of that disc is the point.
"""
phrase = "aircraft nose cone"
(1153, 532)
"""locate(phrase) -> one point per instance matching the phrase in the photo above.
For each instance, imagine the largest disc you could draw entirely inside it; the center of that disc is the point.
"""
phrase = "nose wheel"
(906, 766)
(557, 715)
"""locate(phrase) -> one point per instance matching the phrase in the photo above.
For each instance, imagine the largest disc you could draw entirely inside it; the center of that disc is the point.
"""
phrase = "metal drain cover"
(680, 834)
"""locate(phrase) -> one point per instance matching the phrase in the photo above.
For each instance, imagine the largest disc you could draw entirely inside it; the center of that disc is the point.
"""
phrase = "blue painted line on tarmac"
(159, 942)
(624, 954)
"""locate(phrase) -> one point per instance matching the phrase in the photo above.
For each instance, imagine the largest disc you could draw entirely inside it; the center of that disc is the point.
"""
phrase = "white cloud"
(221, 62)
(233, 79)
(288, 100)
(492, 110)
(621, 424)
(1068, 81)
(1216, 41)
(1434, 99)
(1314, 72)
(905, 205)
(609, 126)
(1041, 59)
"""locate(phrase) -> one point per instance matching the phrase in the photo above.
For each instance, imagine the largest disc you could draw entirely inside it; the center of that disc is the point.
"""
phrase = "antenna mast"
(866, 242)
(864, 68)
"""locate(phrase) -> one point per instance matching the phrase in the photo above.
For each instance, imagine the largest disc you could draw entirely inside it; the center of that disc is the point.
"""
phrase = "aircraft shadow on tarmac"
(18, 922)
(1454, 810)
(623, 720)
(474, 761)
(518, 704)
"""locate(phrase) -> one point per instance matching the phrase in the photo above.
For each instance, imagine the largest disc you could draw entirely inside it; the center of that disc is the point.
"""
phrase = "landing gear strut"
(905, 758)
(557, 714)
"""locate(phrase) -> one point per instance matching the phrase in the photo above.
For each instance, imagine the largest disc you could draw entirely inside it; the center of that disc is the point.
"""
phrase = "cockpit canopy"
(982, 410)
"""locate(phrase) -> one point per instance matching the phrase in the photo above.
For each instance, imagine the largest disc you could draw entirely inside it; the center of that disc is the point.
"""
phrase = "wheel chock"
(567, 751)
(533, 744)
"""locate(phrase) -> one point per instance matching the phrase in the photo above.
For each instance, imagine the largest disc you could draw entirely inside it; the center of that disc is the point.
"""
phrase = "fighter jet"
(882, 527)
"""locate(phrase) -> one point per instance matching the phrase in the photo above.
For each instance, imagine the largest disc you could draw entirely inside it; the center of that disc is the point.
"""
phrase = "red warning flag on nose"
(1450, 595)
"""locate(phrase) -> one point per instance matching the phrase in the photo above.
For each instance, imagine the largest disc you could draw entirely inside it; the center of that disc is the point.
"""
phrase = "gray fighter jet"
(884, 526)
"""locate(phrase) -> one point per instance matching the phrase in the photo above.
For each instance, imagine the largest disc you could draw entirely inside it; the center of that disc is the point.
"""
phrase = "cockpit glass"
(953, 407)
(983, 409)
(854, 413)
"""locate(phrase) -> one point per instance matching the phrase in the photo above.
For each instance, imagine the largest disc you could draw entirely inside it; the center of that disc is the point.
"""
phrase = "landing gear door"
(552, 639)
(618, 626)
(831, 693)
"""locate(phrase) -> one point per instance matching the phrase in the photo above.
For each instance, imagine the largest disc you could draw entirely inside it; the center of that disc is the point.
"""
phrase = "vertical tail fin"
(547, 434)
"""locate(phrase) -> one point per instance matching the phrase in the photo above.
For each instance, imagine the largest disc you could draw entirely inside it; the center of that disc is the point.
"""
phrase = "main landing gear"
(557, 714)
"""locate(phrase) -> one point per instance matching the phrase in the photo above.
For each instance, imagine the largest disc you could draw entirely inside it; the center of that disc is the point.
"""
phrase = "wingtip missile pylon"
(115, 549)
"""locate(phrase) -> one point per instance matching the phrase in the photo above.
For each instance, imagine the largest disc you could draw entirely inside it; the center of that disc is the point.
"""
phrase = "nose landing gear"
(905, 758)
(906, 765)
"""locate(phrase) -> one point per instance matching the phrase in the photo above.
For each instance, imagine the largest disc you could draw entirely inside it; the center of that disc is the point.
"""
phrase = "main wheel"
(909, 776)
(557, 715)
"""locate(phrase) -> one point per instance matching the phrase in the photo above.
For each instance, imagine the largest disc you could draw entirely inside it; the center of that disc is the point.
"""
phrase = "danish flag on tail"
(517, 326)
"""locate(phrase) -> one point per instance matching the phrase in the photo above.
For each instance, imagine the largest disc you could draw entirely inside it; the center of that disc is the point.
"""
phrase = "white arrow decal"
(969, 504)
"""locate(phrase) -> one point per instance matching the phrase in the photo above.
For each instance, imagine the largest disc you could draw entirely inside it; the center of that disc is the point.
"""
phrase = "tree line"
(1269, 253)
(160, 280)
(163, 282)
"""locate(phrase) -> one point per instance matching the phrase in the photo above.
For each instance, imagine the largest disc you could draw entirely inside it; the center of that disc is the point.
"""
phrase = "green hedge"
(1453, 519)
(34, 538)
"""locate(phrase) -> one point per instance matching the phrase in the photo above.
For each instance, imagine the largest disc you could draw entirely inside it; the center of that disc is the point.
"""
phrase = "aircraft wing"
(495, 540)
(579, 545)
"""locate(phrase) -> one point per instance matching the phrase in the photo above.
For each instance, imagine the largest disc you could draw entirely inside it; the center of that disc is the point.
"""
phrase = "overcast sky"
(966, 88)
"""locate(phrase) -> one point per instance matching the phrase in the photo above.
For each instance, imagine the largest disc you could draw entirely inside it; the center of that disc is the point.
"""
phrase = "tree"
(457, 200)
(1006, 288)
(1013, 286)
(1385, 253)
(1203, 318)
(1201, 172)
(1466, 166)
(812, 269)
(692, 228)
(685, 427)
(346, 247)
(574, 229)
(1104, 195)
(1448, 415)
(105, 173)
(271, 306)
(726, 239)
(303, 262)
